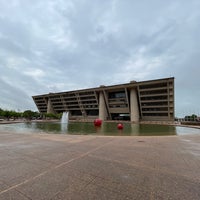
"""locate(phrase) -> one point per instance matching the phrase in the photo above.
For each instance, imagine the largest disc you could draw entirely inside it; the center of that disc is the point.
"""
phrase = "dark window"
(157, 85)
(113, 95)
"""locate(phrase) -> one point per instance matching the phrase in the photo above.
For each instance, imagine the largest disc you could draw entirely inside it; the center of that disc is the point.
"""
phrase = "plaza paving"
(97, 167)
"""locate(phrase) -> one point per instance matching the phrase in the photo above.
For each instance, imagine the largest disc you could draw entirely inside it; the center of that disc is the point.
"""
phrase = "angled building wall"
(102, 107)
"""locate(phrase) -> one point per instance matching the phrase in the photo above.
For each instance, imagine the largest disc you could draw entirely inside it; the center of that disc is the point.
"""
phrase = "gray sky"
(60, 45)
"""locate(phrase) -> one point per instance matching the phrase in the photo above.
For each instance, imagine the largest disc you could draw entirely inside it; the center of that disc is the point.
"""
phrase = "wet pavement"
(56, 167)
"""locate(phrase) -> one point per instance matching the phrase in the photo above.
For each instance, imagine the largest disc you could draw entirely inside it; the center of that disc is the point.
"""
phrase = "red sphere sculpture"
(97, 122)
(120, 126)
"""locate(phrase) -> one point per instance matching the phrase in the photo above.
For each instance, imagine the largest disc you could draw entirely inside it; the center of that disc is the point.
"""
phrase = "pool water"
(107, 128)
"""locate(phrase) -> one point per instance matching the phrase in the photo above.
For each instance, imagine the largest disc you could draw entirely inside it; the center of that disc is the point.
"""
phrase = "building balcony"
(154, 111)
(153, 89)
(154, 95)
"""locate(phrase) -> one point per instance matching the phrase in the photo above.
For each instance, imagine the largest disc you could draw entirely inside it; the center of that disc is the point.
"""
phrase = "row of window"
(155, 114)
(40, 101)
(119, 106)
(119, 94)
(155, 109)
(73, 99)
(154, 98)
(157, 85)
(153, 92)
(155, 103)
(88, 112)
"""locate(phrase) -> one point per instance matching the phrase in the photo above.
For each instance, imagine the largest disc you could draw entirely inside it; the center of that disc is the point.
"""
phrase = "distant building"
(134, 101)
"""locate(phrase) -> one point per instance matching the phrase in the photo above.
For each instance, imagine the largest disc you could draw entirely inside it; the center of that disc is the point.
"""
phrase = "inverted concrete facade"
(134, 101)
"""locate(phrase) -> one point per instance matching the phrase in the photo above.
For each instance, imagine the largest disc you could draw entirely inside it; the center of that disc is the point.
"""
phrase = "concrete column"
(102, 107)
(134, 105)
(49, 107)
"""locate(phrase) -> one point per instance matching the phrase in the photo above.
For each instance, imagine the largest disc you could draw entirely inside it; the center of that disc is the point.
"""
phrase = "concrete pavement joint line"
(23, 194)
(35, 157)
(83, 155)
(30, 156)
(147, 168)
(69, 140)
(132, 165)
(56, 167)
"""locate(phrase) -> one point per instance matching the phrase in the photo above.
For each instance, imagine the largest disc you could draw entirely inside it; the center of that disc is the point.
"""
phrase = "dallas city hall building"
(135, 101)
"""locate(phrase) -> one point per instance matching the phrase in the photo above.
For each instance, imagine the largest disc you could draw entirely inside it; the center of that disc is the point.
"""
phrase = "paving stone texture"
(55, 167)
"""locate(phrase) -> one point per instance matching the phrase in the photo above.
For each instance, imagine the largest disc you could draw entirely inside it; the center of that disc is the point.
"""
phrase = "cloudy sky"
(60, 45)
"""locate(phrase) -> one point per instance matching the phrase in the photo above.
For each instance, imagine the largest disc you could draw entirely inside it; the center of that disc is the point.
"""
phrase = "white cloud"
(35, 73)
(63, 40)
(140, 66)
(16, 62)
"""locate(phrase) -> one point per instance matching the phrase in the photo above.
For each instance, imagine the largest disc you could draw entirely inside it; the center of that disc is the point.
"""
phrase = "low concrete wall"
(191, 123)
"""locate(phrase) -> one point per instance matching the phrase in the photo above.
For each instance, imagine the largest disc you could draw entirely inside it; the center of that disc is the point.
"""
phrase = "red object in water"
(97, 122)
(120, 126)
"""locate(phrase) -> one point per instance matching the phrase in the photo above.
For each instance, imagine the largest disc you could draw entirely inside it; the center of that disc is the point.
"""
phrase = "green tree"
(52, 116)
(14, 114)
(28, 114)
(7, 114)
(1, 112)
(193, 117)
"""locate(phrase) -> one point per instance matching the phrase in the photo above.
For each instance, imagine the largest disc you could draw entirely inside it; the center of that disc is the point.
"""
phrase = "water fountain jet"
(64, 122)
(65, 118)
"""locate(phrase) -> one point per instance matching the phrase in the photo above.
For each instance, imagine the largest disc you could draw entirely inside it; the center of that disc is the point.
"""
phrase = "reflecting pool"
(107, 128)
